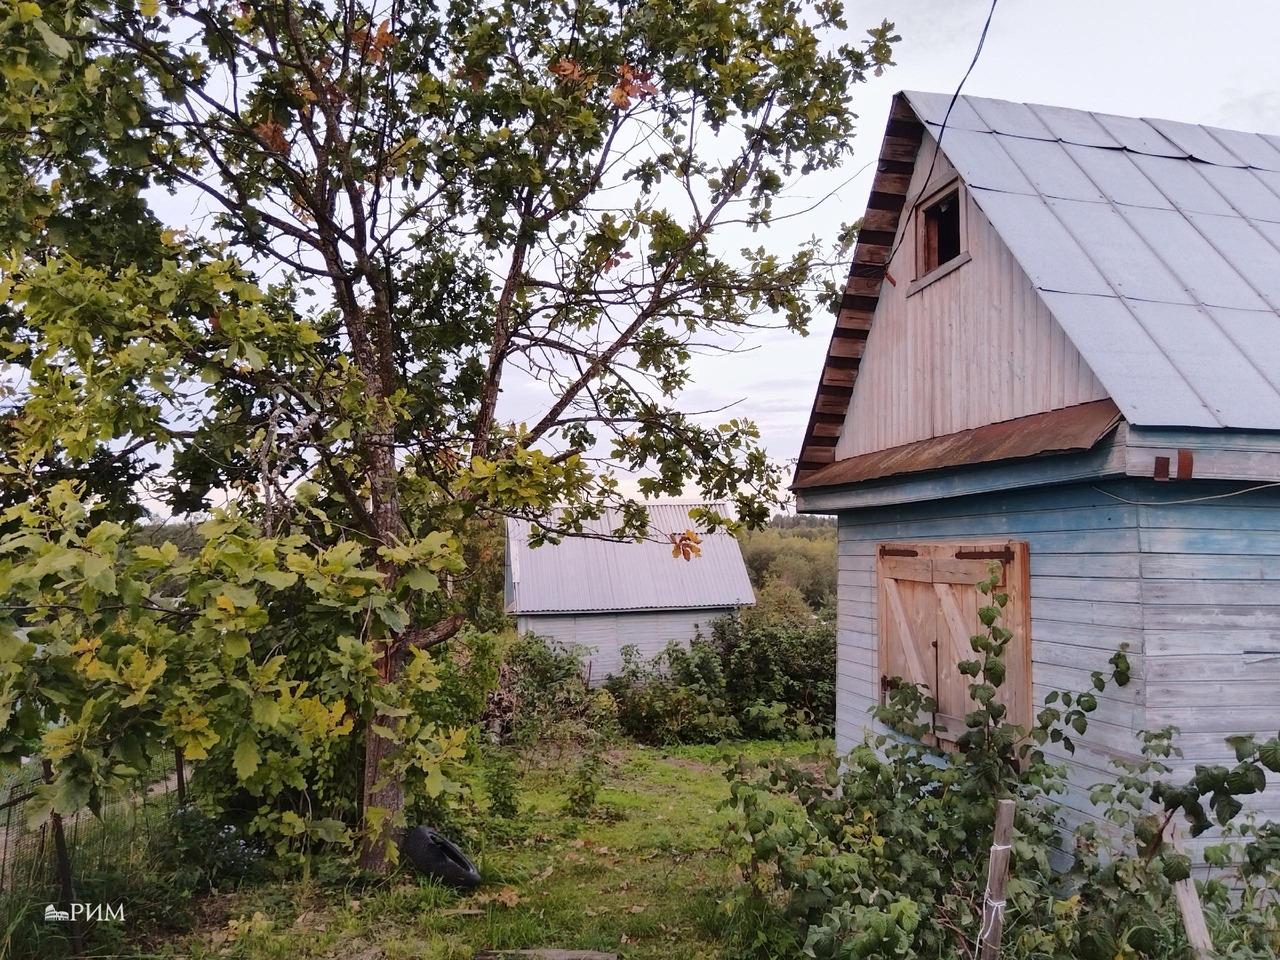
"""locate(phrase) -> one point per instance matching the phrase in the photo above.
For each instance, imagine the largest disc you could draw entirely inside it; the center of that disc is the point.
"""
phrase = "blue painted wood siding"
(1211, 619)
(1190, 587)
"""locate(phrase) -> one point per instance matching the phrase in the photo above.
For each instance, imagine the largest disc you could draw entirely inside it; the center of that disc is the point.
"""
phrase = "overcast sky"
(1201, 62)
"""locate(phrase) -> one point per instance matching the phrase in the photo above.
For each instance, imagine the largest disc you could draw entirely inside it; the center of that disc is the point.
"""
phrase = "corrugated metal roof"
(1069, 430)
(1156, 244)
(582, 574)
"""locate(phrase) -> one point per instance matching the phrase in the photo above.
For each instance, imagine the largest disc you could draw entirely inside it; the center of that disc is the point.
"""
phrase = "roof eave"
(902, 138)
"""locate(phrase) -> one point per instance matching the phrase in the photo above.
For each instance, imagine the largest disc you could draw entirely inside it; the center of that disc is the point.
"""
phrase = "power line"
(982, 39)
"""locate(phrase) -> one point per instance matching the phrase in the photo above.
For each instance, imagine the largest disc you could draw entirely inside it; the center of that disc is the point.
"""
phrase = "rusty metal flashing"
(903, 136)
(1070, 430)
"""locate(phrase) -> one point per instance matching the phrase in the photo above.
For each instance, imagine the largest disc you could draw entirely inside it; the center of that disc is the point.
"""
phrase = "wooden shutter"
(928, 610)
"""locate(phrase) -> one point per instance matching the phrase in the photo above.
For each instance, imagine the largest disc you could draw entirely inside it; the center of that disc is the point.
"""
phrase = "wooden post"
(997, 877)
(62, 866)
(1184, 891)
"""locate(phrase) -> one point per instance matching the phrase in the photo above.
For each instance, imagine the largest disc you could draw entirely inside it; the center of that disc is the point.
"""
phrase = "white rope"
(989, 922)
(997, 908)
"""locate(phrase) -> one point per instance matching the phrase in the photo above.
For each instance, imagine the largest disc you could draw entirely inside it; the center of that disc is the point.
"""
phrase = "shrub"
(755, 678)
(543, 697)
(501, 782)
(679, 696)
(585, 782)
(887, 855)
(201, 852)
(778, 603)
(780, 661)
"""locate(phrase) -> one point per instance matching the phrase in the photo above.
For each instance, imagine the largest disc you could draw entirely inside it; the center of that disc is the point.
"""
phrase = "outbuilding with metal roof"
(601, 594)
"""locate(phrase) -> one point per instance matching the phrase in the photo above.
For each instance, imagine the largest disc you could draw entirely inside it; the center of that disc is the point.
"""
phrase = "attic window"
(940, 233)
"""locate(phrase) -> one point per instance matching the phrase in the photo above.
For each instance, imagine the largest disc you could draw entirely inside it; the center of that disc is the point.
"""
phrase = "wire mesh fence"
(121, 837)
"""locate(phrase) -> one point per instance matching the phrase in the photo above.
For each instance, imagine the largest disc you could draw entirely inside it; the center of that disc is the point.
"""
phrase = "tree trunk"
(375, 849)
(385, 508)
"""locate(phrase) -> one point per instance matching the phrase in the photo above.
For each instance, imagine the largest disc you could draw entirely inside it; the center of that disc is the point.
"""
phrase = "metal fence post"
(182, 777)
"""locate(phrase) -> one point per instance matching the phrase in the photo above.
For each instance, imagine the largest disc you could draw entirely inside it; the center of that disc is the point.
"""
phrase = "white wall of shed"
(605, 634)
(976, 346)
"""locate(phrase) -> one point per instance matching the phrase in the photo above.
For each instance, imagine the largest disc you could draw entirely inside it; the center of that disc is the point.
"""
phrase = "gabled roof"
(1155, 244)
(585, 574)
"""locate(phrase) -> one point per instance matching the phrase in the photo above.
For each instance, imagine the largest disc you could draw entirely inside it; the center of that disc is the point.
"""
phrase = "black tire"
(435, 855)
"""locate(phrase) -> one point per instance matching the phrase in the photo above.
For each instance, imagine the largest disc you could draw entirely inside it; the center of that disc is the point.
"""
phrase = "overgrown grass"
(643, 876)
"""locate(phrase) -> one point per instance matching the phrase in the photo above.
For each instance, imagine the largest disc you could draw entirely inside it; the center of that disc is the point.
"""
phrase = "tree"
(395, 208)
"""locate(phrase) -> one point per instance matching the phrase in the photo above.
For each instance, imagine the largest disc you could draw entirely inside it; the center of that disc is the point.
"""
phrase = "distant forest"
(785, 521)
(794, 554)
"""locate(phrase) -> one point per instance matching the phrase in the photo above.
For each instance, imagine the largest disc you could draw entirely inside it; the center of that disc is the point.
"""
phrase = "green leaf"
(434, 784)
(1246, 778)
(421, 579)
(149, 8)
(1269, 754)
(1176, 866)
(70, 795)
(56, 44)
(99, 574)
(1225, 809)
(266, 711)
(280, 579)
(1244, 746)
(235, 645)
(246, 759)
(329, 830)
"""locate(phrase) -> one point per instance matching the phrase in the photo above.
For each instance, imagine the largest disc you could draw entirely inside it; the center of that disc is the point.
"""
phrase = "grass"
(643, 877)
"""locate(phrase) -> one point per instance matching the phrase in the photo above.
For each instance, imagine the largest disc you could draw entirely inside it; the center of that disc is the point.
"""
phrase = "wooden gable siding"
(1193, 588)
(975, 346)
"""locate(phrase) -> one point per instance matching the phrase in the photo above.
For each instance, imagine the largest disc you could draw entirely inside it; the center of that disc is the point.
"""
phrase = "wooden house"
(602, 594)
(1059, 347)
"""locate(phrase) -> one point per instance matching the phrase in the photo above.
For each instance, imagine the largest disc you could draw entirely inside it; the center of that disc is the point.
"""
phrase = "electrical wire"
(1166, 503)
(982, 39)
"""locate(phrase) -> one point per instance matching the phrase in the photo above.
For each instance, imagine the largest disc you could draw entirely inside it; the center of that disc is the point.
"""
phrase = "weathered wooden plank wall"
(976, 346)
(1211, 609)
(605, 634)
(1191, 587)
(1085, 602)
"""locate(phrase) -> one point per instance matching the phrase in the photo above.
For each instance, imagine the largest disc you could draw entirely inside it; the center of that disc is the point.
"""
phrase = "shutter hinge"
(1004, 555)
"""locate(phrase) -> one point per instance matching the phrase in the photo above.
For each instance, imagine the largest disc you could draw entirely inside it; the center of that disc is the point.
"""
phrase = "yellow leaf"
(150, 8)
(225, 603)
